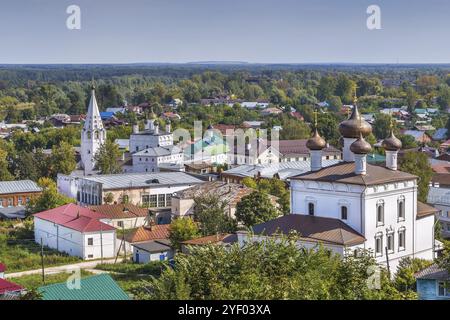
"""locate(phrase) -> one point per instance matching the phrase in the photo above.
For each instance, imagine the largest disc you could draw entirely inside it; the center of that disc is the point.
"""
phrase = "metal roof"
(20, 186)
(154, 245)
(97, 287)
(141, 180)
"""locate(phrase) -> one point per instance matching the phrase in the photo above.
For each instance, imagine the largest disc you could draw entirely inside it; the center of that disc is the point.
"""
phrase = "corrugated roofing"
(141, 234)
(120, 211)
(97, 287)
(7, 187)
(433, 272)
(140, 180)
(7, 286)
(154, 246)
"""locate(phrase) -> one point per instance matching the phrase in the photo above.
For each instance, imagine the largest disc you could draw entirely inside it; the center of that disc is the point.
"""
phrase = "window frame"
(379, 236)
(380, 204)
(311, 208)
(390, 239)
(342, 212)
(401, 214)
(402, 235)
(90, 241)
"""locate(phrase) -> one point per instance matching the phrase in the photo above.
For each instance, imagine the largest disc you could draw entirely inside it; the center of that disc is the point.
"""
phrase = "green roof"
(374, 158)
(96, 287)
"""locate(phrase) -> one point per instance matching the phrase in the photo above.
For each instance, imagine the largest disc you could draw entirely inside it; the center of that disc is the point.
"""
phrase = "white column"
(316, 159)
(391, 159)
(348, 155)
(360, 164)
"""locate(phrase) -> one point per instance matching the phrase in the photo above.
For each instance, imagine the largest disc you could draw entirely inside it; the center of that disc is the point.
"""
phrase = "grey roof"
(433, 272)
(440, 134)
(20, 186)
(158, 151)
(439, 196)
(141, 180)
(154, 245)
(285, 170)
(13, 212)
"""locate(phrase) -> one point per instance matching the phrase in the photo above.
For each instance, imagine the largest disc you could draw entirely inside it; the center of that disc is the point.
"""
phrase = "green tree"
(182, 229)
(417, 163)
(107, 158)
(5, 175)
(255, 208)
(408, 142)
(249, 182)
(381, 126)
(404, 279)
(211, 213)
(49, 199)
(62, 159)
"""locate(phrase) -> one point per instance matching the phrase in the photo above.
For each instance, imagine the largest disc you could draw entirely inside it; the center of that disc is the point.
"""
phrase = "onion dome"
(392, 143)
(360, 146)
(316, 142)
(354, 125)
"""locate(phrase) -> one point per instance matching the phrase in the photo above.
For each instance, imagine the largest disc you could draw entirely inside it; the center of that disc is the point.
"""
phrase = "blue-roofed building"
(419, 136)
(105, 115)
(440, 134)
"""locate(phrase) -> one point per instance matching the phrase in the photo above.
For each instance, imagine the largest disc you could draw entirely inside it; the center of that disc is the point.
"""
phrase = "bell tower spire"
(93, 134)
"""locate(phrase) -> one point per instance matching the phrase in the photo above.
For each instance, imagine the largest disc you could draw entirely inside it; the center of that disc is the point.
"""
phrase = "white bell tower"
(93, 135)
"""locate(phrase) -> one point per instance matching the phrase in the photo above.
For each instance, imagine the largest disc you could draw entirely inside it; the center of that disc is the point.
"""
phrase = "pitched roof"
(96, 287)
(220, 238)
(154, 245)
(7, 286)
(298, 146)
(141, 234)
(312, 228)
(424, 210)
(120, 211)
(344, 172)
(433, 272)
(20, 186)
(75, 217)
(441, 178)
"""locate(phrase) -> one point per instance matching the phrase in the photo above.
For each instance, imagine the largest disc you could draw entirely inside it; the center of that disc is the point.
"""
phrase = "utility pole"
(42, 261)
(387, 262)
(124, 246)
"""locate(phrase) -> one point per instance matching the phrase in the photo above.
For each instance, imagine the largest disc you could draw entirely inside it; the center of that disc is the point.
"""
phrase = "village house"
(420, 136)
(123, 216)
(433, 283)
(296, 150)
(15, 195)
(8, 290)
(153, 250)
(222, 239)
(77, 231)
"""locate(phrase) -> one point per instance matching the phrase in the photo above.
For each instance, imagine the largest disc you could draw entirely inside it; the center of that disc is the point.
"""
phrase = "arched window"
(97, 136)
(401, 208)
(311, 209)
(89, 135)
(344, 212)
(380, 213)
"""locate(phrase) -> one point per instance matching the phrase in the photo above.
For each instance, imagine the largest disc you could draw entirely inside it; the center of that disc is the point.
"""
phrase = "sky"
(257, 31)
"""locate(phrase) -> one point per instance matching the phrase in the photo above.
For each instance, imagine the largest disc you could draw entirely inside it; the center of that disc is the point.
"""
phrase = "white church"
(352, 204)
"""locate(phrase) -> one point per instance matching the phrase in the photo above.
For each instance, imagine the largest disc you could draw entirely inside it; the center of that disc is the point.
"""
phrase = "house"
(8, 290)
(252, 124)
(183, 202)
(96, 287)
(439, 197)
(15, 195)
(433, 283)
(75, 230)
(296, 150)
(440, 134)
(123, 216)
(153, 250)
(445, 146)
(271, 111)
(105, 115)
(153, 190)
(124, 144)
(171, 116)
(262, 104)
(359, 205)
(213, 148)
(147, 233)
(199, 167)
(257, 151)
(223, 239)
(419, 136)
(116, 110)
(425, 127)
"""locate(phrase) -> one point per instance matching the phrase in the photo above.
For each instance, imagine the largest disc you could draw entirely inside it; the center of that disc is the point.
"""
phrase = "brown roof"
(120, 211)
(141, 234)
(198, 165)
(312, 228)
(292, 147)
(433, 272)
(344, 172)
(223, 238)
(441, 178)
(424, 210)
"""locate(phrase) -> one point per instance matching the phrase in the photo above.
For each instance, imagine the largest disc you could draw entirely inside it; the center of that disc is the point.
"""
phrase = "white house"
(76, 231)
(154, 250)
(353, 205)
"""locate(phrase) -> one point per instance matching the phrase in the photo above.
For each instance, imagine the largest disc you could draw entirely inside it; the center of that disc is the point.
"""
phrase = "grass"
(19, 252)
(34, 281)
(153, 268)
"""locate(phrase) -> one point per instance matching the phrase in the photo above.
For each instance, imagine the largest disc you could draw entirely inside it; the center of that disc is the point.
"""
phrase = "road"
(59, 269)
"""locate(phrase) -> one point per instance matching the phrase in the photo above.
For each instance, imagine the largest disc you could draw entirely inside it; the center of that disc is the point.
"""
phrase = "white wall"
(146, 257)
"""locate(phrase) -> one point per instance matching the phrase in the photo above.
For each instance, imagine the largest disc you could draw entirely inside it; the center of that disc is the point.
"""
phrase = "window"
(311, 209)
(168, 199)
(161, 200)
(378, 245)
(444, 288)
(90, 256)
(120, 224)
(401, 239)
(125, 198)
(10, 202)
(90, 241)
(401, 208)
(20, 201)
(390, 242)
(1, 202)
(344, 211)
(27, 200)
(380, 213)
(145, 199)
(153, 199)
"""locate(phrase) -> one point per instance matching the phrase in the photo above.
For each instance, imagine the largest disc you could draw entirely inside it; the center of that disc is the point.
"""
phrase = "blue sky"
(263, 31)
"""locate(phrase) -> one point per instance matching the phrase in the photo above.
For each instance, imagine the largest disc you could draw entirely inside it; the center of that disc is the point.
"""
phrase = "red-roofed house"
(7, 287)
(77, 231)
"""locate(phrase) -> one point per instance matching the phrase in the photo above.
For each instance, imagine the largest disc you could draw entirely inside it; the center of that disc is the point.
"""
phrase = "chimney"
(156, 131)
(135, 128)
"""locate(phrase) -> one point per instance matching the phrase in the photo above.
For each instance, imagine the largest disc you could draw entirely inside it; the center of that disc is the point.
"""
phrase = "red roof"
(160, 231)
(6, 286)
(75, 217)
(2, 267)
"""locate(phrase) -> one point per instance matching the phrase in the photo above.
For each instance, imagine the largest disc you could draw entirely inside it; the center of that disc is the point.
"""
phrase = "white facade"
(148, 160)
(362, 205)
(142, 256)
(74, 243)
(93, 136)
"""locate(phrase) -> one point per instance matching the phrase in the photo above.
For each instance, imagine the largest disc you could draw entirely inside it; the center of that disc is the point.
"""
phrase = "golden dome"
(392, 143)
(354, 125)
(316, 142)
(360, 146)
